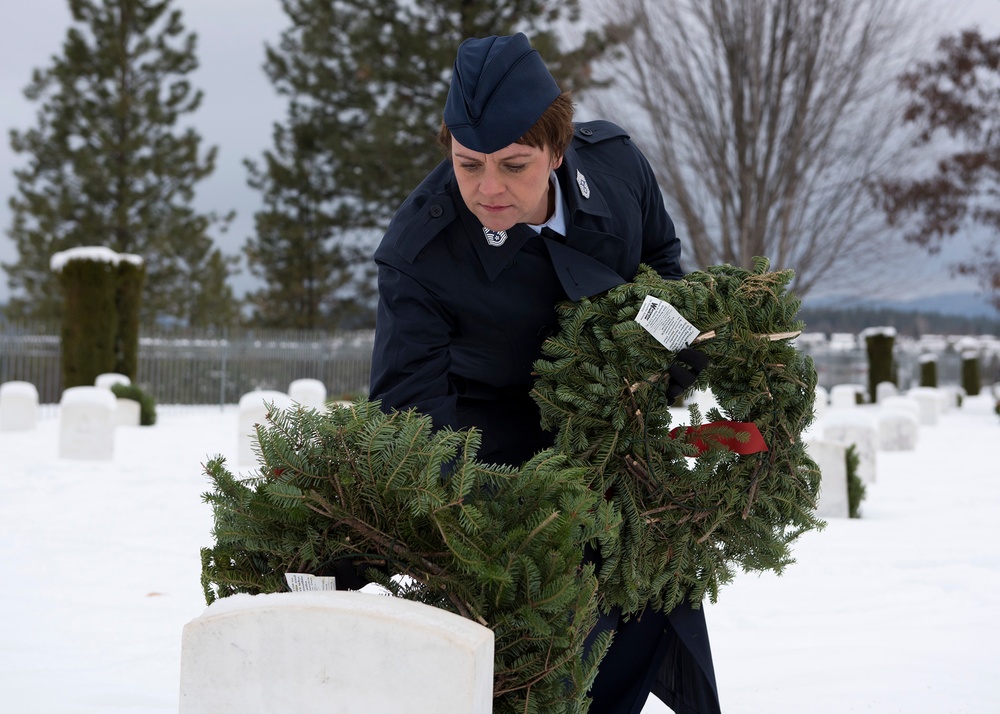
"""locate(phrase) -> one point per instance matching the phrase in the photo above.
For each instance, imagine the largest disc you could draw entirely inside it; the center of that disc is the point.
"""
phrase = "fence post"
(222, 380)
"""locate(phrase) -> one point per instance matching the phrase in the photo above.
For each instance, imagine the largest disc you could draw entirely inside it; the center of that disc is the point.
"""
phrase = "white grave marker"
(857, 427)
(253, 410)
(87, 423)
(831, 458)
(109, 379)
(822, 401)
(931, 402)
(310, 393)
(883, 390)
(898, 427)
(18, 406)
(904, 402)
(343, 652)
(128, 412)
(845, 396)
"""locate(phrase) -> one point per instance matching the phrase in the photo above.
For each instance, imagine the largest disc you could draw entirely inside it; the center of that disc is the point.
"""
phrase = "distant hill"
(968, 305)
(946, 314)
(961, 304)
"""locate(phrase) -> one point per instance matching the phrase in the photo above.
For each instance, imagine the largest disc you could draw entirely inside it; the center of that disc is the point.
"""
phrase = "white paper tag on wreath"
(662, 321)
(306, 582)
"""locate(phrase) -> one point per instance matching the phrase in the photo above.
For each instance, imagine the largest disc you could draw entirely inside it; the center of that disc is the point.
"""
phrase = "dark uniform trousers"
(667, 655)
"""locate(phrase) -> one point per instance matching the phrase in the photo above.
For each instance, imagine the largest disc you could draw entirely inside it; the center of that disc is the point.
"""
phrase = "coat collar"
(424, 214)
(494, 257)
(428, 212)
(576, 184)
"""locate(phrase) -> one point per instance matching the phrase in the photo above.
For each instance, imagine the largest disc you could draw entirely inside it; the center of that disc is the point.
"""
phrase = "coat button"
(436, 211)
(587, 132)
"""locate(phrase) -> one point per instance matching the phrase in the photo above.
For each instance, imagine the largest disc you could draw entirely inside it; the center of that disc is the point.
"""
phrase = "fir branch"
(504, 546)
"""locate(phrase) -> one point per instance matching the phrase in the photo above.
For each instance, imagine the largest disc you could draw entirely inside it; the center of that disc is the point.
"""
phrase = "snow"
(100, 396)
(893, 612)
(96, 253)
(20, 389)
(877, 331)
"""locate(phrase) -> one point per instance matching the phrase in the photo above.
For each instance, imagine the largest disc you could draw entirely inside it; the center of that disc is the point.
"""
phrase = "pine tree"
(302, 251)
(110, 166)
(366, 84)
(855, 486)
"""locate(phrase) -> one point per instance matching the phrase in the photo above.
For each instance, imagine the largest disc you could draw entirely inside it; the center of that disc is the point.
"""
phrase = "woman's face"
(506, 187)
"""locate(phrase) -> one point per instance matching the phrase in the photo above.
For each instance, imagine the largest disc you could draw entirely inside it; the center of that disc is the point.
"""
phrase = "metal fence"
(203, 366)
(218, 367)
(843, 358)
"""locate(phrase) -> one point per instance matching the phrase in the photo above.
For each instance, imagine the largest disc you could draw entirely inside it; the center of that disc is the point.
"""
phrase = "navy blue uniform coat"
(462, 315)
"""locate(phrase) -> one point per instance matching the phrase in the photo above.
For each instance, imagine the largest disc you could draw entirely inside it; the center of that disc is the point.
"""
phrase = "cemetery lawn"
(894, 612)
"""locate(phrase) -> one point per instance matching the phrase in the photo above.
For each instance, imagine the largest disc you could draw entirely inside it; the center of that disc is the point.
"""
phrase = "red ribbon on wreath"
(751, 446)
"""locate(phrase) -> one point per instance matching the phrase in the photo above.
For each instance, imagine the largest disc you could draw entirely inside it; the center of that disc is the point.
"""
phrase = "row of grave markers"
(892, 423)
(356, 653)
(89, 416)
(345, 652)
(842, 420)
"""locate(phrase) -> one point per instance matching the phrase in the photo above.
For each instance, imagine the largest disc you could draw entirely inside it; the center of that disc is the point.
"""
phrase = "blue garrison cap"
(499, 89)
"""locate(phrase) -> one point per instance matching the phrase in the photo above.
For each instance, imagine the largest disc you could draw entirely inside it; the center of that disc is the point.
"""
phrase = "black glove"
(681, 377)
(351, 573)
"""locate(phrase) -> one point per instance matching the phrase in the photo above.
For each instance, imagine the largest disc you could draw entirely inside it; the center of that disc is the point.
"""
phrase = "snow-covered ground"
(898, 611)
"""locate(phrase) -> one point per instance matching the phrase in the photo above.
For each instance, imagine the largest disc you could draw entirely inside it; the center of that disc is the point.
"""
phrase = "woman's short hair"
(553, 129)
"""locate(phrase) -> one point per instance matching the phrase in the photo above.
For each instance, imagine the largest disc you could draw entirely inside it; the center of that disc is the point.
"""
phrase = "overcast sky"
(240, 105)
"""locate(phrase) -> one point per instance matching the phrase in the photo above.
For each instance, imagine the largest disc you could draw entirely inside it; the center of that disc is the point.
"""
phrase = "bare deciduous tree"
(956, 95)
(763, 120)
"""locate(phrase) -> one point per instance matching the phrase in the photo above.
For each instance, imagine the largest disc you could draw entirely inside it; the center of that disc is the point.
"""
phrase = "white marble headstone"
(898, 425)
(18, 406)
(310, 393)
(831, 458)
(343, 652)
(857, 427)
(109, 379)
(253, 408)
(845, 396)
(931, 401)
(883, 390)
(822, 401)
(128, 412)
(87, 423)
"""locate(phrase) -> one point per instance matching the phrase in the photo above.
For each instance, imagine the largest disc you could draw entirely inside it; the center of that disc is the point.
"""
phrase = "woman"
(528, 210)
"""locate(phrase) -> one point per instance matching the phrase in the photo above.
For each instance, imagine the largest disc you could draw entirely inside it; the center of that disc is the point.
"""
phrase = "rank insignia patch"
(495, 238)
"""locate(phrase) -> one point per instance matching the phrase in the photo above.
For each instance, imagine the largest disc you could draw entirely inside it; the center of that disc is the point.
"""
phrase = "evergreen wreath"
(672, 514)
(690, 507)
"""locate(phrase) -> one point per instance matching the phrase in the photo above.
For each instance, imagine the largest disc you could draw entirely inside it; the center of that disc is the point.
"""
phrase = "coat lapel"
(581, 262)
(579, 274)
(584, 262)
